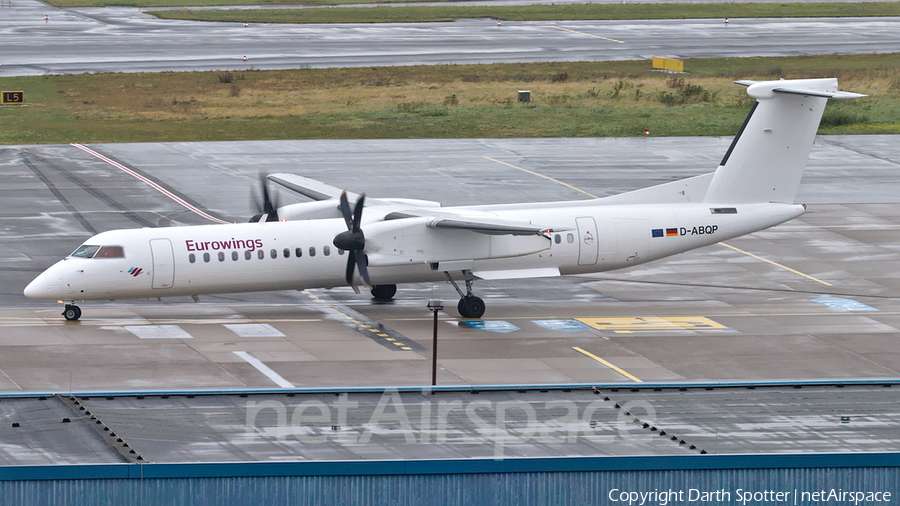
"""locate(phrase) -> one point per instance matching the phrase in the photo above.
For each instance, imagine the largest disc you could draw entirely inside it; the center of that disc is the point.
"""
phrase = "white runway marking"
(263, 368)
(158, 331)
(254, 330)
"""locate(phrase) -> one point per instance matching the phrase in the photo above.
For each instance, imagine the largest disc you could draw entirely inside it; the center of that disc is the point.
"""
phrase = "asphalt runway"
(114, 39)
(814, 298)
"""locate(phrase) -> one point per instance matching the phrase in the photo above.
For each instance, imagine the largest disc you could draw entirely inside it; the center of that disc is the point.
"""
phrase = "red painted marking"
(156, 186)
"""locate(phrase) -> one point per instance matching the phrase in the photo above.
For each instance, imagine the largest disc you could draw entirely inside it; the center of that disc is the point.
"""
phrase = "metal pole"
(434, 351)
(434, 305)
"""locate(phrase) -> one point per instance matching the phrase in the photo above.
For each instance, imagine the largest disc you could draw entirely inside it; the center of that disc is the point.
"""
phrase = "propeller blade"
(351, 263)
(353, 241)
(345, 210)
(265, 205)
(363, 271)
(357, 212)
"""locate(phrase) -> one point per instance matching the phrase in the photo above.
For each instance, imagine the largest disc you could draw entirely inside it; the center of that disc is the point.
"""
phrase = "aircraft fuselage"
(293, 255)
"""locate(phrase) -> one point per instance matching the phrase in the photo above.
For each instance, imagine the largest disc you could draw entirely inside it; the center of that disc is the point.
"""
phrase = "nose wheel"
(72, 312)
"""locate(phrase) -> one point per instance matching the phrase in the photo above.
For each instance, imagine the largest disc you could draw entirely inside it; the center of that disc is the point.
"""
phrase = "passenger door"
(587, 241)
(163, 263)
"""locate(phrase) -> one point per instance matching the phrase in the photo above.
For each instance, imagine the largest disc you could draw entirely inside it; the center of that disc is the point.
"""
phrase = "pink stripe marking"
(156, 186)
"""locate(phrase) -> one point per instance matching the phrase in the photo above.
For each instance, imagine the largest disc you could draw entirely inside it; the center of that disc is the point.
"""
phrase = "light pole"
(434, 305)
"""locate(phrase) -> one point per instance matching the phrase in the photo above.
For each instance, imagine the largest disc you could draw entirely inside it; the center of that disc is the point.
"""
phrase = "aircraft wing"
(483, 223)
(311, 188)
(320, 191)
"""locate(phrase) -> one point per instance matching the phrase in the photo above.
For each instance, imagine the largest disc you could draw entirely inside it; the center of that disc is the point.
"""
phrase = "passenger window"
(340, 251)
(273, 254)
(570, 238)
(287, 253)
(312, 251)
(206, 257)
(261, 254)
(326, 251)
(234, 256)
(85, 251)
(110, 252)
(192, 258)
(298, 252)
(221, 256)
(247, 255)
(558, 239)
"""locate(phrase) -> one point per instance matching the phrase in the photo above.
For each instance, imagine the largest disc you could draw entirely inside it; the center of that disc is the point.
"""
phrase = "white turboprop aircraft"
(325, 244)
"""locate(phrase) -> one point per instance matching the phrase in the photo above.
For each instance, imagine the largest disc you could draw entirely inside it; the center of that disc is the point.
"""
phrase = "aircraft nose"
(47, 286)
(37, 289)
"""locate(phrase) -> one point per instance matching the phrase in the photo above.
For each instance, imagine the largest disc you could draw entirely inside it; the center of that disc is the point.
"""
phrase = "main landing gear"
(72, 312)
(469, 305)
(383, 292)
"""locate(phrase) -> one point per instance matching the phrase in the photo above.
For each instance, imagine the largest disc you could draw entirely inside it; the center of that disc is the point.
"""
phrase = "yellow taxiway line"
(607, 364)
(541, 175)
(776, 264)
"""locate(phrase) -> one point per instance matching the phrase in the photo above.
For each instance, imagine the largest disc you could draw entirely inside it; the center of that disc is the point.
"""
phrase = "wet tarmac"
(814, 298)
(120, 39)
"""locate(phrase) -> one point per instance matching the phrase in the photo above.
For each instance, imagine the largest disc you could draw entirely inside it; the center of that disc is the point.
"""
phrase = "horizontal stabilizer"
(765, 89)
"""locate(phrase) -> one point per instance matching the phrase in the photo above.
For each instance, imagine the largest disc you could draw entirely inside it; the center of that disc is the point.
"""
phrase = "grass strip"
(576, 99)
(413, 13)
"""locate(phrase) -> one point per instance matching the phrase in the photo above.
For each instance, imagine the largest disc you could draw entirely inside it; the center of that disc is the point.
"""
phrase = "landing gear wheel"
(471, 307)
(384, 292)
(72, 312)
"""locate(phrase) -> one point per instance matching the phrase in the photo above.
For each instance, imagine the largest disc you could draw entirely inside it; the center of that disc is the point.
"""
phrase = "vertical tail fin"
(766, 159)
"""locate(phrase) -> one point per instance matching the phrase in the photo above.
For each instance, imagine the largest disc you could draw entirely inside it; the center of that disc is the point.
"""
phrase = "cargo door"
(632, 240)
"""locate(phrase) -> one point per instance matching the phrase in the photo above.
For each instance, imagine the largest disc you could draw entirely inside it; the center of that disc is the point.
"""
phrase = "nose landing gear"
(72, 312)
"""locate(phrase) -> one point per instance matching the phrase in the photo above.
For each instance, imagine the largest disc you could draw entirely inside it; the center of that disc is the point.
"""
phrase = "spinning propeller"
(265, 205)
(353, 241)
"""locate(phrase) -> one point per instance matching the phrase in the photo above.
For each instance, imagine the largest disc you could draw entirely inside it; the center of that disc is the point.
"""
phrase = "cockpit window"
(88, 251)
(85, 251)
(110, 252)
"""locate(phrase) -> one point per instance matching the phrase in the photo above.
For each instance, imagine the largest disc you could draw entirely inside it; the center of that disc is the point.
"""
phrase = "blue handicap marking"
(839, 304)
(491, 326)
(564, 325)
